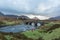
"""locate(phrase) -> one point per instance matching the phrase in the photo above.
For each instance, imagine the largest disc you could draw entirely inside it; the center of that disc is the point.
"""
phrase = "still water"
(17, 28)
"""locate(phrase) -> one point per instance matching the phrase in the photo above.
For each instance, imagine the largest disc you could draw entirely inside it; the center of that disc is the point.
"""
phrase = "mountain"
(38, 16)
(55, 18)
(35, 18)
(11, 16)
(26, 16)
(1, 14)
(23, 17)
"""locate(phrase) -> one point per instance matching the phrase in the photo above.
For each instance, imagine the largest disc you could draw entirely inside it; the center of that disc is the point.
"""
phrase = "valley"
(13, 27)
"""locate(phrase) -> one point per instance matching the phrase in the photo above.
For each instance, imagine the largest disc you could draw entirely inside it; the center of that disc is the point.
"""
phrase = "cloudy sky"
(38, 7)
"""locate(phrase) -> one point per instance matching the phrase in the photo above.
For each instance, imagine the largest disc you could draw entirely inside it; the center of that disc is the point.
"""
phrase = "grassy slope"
(46, 36)
(50, 36)
(41, 34)
(7, 23)
(34, 35)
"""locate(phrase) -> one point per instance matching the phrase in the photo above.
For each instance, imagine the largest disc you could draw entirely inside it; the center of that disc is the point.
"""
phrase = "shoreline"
(8, 25)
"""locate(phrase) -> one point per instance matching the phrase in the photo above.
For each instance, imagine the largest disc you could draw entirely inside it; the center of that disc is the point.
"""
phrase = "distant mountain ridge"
(1, 14)
(11, 16)
(14, 16)
(55, 18)
(23, 17)
(30, 16)
(38, 17)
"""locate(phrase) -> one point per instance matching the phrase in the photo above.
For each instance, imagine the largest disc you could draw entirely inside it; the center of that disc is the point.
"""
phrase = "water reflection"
(17, 28)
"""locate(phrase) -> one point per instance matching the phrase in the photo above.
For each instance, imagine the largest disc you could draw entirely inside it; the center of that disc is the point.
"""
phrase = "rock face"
(23, 17)
(1, 14)
(35, 18)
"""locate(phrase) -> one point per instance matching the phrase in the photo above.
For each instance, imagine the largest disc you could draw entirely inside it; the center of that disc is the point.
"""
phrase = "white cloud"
(39, 6)
(15, 4)
(42, 7)
(38, 16)
(48, 5)
(22, 4)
